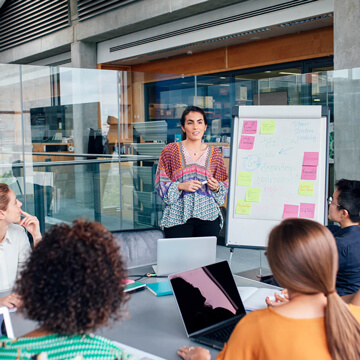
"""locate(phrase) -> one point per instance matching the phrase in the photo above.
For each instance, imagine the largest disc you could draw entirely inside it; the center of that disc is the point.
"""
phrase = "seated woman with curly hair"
(72, 285)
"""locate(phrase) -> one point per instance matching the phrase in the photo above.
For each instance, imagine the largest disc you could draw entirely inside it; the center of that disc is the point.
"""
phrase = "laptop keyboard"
(222, 334)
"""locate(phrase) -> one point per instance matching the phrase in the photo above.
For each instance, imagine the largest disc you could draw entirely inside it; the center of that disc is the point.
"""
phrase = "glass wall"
(85, 143)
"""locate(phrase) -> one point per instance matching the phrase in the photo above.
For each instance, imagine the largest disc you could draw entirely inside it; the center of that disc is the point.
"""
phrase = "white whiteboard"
(278, 170)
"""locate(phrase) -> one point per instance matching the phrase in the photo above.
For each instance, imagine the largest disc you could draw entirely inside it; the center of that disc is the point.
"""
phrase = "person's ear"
(2, 214)
(345, 214)
(183, 129)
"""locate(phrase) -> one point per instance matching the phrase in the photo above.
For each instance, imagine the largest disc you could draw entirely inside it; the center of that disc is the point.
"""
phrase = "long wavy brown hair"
(303, 257)
(73, 281)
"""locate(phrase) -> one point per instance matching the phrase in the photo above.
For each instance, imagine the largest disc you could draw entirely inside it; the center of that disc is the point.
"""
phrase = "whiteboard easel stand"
(260, 270)
(235, 113)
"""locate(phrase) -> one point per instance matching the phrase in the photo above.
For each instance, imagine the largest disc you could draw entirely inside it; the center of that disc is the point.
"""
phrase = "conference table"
(151, 324)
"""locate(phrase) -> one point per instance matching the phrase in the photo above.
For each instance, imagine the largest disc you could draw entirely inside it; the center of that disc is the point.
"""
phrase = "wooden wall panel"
(293, 47)
(113, 67)
(204, 62)
(305, 45)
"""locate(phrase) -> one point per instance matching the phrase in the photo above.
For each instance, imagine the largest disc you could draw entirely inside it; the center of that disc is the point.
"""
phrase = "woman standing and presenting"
(192, 180)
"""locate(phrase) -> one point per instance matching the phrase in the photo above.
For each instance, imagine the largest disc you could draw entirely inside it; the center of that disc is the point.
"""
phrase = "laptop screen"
(206, 296)
(180, 254)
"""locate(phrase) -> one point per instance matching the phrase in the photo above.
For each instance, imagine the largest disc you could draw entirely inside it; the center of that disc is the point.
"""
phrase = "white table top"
(152, 324)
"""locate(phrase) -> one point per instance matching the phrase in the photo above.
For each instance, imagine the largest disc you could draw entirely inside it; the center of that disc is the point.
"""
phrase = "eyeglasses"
(330, 201)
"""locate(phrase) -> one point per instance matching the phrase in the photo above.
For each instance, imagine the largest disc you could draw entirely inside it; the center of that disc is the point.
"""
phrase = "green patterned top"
(61, 348)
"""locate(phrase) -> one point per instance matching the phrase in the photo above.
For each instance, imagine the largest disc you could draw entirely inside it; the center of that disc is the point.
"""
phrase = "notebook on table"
(209, 303)
(179, 254)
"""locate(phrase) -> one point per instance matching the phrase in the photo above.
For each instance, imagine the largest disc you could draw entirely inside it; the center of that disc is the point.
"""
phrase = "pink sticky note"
(307, 210)
(311, 158)
(290, 211)
(127, 281)
(308, 172)
(249, 127)
(246, 142)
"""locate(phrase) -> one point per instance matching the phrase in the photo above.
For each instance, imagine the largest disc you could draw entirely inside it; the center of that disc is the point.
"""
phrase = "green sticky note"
(306, 188)
(267, 127)
(243, 207)
(244, 178)
(253, 194)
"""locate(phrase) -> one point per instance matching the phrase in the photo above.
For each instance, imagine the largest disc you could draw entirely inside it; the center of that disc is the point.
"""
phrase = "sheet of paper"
(306, 188)
(307, 210)
(243, 207)
(311, 158)
(290, 211)
(256, 300)
(244, 178)
(246, 142)
(253, 194)
(249, 127)
(308, 172)
(246, 291)
(140, 355)
(267, 127)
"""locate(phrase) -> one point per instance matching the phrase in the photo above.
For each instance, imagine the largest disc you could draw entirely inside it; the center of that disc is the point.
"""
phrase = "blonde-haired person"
(316, 323)
(14, 243)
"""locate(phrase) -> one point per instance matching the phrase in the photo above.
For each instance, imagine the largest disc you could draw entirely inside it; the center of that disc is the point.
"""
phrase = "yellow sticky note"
(267, 127)
(243, 207)
(253, 194)
(244, 178)
(306, 188)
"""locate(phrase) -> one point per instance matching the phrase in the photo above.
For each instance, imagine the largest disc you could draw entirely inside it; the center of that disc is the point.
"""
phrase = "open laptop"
(179, 254)
(5, 316)
(209, 303)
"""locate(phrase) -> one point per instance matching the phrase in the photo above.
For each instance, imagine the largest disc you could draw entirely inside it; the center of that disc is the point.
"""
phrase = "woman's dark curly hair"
(73, 279)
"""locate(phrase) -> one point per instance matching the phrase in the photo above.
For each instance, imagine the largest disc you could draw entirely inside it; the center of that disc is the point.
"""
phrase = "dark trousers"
(194, 227)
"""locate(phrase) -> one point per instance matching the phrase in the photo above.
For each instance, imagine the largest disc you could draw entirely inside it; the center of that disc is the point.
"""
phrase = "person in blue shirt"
(344, 208)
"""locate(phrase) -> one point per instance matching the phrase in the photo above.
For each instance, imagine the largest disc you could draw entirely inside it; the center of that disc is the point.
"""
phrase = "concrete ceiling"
(255, 35)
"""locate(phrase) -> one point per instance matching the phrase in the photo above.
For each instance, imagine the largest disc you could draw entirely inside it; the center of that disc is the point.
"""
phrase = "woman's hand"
(279, 300)
(194, 353)
(191, 186)
(31, 224)
(213, 184)
(10, 301)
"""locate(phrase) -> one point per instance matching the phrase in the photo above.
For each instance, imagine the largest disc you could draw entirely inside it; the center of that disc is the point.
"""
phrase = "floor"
(250, 263)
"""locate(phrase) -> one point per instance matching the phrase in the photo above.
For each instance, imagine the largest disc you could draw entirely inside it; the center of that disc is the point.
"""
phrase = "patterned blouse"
(176, 166)
(55, 347)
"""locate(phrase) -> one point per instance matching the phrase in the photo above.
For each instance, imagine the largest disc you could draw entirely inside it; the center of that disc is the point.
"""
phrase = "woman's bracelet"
(217, 190)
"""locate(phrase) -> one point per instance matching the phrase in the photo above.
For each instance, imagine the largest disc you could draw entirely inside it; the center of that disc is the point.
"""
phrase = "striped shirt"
(57, 347)
(176, 166)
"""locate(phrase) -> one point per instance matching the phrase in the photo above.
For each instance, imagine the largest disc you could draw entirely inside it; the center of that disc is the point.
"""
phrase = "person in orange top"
(316, 323)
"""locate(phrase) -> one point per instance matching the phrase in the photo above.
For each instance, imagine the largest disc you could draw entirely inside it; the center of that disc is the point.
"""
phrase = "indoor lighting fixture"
(288, 73)
(132, 58)
(251, 32)
(172, 49)
(304, 21)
